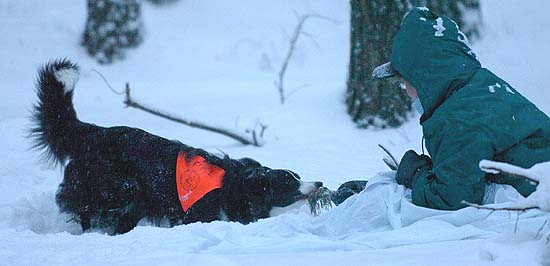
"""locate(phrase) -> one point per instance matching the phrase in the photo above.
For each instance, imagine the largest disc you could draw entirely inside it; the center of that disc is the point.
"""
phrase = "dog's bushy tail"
(53, 115)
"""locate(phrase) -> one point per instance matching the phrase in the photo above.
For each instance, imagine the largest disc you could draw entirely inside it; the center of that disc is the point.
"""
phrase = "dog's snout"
(318, 184)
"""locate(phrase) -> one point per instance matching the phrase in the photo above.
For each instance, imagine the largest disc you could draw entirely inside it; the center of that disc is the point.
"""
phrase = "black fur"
(117, 176)
(54, 112)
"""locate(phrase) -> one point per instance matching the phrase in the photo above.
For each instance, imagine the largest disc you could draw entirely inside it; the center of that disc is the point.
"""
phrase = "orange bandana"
(195, 178)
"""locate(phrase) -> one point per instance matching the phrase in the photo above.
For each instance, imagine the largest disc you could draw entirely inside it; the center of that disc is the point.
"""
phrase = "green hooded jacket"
(470, 114)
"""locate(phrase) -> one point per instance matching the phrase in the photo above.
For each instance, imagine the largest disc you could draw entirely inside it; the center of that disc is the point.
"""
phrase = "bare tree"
(298, 31)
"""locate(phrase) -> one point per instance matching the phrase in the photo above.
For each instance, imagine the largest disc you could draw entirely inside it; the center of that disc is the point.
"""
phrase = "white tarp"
(381, 216)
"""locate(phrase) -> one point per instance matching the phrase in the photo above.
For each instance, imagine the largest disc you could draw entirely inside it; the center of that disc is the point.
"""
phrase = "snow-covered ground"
(216, 61)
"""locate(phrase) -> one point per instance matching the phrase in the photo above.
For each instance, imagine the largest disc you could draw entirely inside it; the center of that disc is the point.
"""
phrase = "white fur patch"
(67, 76)
(307, 187)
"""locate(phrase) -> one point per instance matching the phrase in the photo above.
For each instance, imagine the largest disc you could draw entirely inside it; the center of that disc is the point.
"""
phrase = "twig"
(542, 227)
(482, 207)
(107, 82)
(492, 209)
(279, 83)
(262, 129)
(246, 140)
(395, 163)
(296, 90)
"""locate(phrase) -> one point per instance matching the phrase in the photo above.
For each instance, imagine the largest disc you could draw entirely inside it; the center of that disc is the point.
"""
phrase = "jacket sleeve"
(455, 176)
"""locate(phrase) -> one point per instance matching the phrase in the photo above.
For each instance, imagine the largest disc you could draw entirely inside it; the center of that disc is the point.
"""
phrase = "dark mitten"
(348, 189)
(410, 165)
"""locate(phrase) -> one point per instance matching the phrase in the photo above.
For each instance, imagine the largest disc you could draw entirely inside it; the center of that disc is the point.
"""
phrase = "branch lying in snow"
(518, 209)
(483, 207)
(293, 40)
(252, 139)
(538, 174)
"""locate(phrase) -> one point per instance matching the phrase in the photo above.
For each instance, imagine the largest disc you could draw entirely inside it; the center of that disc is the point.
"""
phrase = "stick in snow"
(513, 209)
(254, 139)
(393, 164)
(539, 174)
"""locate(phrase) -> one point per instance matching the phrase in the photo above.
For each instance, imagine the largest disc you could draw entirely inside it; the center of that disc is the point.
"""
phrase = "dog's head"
(255, 191)
(287, 187)
(279, 187)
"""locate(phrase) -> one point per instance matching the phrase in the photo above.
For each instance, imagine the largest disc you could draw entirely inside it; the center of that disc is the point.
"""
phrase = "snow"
(383, 71)
(539, 173)
(216, 61)
(439, 28)
(493, 88)
(509, 90)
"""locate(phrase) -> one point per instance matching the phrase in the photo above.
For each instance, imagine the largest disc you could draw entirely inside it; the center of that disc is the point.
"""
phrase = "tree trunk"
(373, 103)
(111, 27)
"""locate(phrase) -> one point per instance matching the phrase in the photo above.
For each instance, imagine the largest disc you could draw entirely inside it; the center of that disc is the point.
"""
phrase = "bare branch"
(395, 164)
(542, 227)
(313, 40)
(297, 89)
(262, 129)
(282, 71)
(482, 207)
(107, 82)
(279, 83)
(246, 140)
(493, 209)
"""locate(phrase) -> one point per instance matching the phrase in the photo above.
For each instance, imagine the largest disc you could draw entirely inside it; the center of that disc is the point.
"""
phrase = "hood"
(432, 54)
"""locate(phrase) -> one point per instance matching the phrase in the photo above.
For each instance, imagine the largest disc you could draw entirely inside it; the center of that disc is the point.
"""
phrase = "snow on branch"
(253, 138)
(532, 174)
(538, 174)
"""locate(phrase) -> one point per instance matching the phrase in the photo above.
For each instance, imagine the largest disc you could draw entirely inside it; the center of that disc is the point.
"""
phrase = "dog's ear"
(258, 181)
(249, 163)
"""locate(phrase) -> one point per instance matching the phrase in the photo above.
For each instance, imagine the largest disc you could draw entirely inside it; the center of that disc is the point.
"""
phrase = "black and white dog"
(117, 176)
